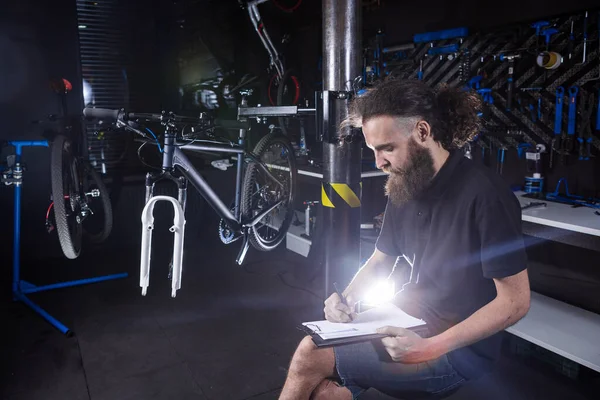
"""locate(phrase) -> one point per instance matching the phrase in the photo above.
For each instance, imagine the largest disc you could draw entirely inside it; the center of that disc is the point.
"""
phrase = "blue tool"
(538, 28)
(573, 90)
(451, 48)
(510, 81)
(420, 73)
(569, 198)
(532, 111)
(486, 93)
(560, 94)
(501, 152)
(548, 34)
(522, 147)
(571, 46)
(585, 127)
(539, 25)
(556, 141)
(474, 82)
(441, 35)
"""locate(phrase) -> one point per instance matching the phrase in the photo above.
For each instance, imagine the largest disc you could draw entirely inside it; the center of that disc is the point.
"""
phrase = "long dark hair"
(451, 112)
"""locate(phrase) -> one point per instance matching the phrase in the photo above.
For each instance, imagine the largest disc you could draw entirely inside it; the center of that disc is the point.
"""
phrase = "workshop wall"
(531, 118)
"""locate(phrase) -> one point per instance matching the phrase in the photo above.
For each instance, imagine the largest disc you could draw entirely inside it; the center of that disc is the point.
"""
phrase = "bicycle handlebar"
(107, 113)
(101, 113)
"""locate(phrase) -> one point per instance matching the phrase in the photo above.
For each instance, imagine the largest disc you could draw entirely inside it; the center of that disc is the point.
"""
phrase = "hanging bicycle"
(265, 181)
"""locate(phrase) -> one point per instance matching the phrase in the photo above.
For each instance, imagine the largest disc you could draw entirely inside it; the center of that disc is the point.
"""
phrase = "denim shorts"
(365, 365)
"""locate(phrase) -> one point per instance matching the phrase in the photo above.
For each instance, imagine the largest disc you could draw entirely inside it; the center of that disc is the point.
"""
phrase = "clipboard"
(325, 333)
(320, 342)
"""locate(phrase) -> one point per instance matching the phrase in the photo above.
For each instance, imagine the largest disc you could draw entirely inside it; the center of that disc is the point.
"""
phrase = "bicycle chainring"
(225, 233)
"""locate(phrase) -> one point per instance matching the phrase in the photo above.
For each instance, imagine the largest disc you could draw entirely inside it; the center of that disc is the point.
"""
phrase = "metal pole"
(341, 160)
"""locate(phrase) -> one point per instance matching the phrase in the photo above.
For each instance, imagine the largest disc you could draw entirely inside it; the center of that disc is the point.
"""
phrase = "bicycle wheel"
(65, 194)
(288, 94)
(260, 191)
(98, 223)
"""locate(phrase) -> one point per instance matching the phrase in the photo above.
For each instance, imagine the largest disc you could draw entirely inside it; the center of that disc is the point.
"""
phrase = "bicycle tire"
(69, 234)
(250, 177)
(287, 75)
(107, 224)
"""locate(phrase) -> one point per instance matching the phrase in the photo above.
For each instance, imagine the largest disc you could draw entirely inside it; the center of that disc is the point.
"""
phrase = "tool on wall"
(573, 90)
(538, 28)
(486, 94)
(598, 111)
(556, 141)
(501, 154)
(450, 51)
(549, 59)
(585, 38)
(464, 72)
(571, 45)
(585, 127)
(510, 81)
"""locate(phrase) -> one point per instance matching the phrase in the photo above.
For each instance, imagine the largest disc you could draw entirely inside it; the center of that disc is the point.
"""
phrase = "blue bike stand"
(21, 288)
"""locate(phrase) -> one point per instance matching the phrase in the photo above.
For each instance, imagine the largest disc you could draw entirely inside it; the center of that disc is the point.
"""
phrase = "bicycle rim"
(260, 192)
(65, 192)
(98, 225)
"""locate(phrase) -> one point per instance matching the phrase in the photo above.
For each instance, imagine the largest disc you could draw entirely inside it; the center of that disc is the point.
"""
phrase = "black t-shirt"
(461, 232)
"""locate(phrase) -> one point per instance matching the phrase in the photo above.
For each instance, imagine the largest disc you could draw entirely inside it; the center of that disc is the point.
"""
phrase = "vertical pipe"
(341, 160)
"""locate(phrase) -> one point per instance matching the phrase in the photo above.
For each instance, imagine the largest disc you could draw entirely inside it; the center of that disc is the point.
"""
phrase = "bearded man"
(458, 225)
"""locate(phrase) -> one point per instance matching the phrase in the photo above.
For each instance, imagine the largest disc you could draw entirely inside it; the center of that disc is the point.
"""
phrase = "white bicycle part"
(177, 228)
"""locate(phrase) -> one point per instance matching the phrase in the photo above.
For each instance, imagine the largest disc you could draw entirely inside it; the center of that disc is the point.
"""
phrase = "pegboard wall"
(478, 61)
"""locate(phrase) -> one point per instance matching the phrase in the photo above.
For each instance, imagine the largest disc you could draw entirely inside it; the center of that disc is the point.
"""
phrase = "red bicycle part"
(278, 4)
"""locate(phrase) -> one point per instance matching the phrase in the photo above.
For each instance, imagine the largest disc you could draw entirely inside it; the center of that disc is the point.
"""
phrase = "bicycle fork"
(178, 229)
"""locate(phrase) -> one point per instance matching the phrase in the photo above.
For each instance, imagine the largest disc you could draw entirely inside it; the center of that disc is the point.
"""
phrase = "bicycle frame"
(174, 158)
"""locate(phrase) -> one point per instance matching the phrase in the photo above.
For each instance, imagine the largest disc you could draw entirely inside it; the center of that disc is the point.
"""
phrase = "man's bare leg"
(311, 366)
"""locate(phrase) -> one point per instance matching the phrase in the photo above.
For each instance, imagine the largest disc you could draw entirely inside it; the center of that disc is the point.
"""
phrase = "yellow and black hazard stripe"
(341, 195)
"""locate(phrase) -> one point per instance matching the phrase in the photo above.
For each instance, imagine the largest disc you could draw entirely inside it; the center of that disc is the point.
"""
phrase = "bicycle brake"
(49, 227)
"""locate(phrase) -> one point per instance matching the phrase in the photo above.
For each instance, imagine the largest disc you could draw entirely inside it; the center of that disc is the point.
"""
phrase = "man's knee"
(309, 359)
(303, 357)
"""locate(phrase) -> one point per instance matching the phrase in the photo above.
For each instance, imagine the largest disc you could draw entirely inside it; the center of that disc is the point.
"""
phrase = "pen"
(337, 290)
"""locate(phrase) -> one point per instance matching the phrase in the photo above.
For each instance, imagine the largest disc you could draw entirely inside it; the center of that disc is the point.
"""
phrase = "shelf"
(563, 216)
(561, 328)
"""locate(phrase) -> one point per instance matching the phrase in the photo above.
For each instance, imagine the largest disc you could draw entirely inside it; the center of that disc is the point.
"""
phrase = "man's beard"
(404, 184)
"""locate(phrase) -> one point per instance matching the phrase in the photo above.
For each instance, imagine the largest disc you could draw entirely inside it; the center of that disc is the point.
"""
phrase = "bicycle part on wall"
(259, 191)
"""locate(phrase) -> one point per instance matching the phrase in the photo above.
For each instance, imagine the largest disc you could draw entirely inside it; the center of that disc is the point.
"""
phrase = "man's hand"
(406, 346)
(336, 311)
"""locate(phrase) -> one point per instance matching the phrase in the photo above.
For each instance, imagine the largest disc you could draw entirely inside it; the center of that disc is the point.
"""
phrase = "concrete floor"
(229, 334)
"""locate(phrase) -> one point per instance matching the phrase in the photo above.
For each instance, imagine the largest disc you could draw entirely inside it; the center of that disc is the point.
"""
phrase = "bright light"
(82, 26)
(380, 293)
(87, 92)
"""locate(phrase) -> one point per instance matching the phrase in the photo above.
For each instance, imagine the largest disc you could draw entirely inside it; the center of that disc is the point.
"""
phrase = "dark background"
(170, 41)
